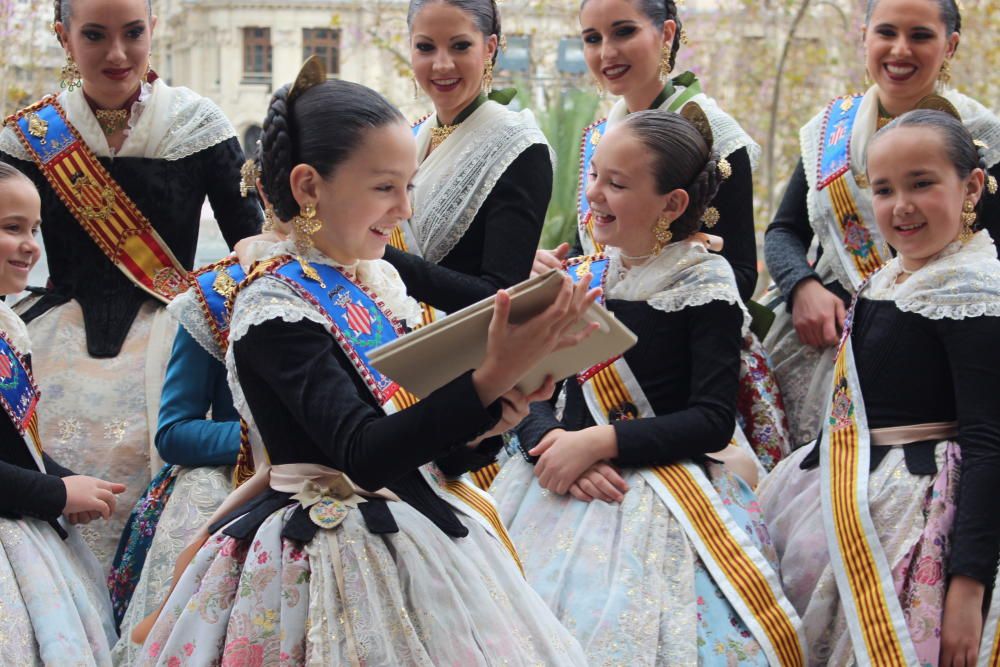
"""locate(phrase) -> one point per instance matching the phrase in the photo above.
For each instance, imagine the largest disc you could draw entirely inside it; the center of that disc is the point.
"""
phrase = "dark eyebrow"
(895, 27)
(390, 172)
(614, 24)
(98, 26)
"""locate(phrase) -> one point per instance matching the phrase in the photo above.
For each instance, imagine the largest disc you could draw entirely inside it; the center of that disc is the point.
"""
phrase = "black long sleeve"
(31, 493)
(974, 358)
(707, 421)
(734, 201)
(498, 248)
(238, 216)
(788, 237)
(310, 406)
(687, 363)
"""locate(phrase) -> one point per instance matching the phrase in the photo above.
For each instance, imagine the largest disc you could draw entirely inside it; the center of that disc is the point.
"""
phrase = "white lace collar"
(685, 274)
(962, 281)
(15, 329)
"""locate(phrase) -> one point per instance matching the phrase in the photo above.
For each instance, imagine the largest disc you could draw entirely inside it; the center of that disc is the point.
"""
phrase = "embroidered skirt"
(350, 597)
(187, 498)
(913, 515)
(760, 407)
(625, 579)
(98, 416)
(53, 603)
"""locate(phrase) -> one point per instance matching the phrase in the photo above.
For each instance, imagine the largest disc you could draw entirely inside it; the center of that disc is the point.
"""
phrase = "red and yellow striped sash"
(97, 201)
(856, 238)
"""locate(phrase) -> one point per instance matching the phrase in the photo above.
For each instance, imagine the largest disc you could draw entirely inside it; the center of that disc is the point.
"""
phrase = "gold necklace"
(439, 134)
(111, 120)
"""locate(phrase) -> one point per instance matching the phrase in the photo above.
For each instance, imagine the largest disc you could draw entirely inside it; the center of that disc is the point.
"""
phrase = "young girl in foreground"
(632, 575)
(361, 551)
(893, 505)
(53, 603)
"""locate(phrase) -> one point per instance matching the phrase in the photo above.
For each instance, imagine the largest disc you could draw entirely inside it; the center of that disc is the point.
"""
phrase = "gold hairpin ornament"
(696, 115)
(312, 73)
(249, 173)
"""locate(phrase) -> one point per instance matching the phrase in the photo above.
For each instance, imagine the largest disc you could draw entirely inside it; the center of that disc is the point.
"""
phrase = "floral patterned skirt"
(150, 551)
(913, 516)
(350, 597)
(53, 604)
(99, 416)
(624, 578)
(760, 407)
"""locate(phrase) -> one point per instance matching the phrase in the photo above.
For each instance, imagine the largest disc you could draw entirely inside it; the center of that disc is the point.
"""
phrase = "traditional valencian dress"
(897, 495)
(650, 581)
(760, 407)
(416, 570)
(201, 452)
(120, 233)
(53, 603)
(828, 199)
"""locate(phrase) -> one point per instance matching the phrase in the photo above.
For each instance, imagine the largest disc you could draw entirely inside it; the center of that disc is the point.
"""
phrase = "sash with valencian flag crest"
(96, 200)
(19, 397)
(360, 322)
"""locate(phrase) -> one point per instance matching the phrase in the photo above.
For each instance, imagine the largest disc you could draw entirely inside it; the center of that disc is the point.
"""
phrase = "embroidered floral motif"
(857, 238)
(759, 405)
(842, 413)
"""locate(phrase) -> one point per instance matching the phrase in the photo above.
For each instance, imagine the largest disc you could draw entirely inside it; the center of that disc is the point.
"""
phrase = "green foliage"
(562, 121)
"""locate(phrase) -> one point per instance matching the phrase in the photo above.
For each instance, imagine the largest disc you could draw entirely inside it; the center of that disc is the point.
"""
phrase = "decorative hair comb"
(312, 73)
(938, 103)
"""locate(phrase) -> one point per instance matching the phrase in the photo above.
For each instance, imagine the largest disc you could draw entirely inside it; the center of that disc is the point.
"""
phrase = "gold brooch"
(711, 217)
(37, 127)
(725, 169)
(595, 137)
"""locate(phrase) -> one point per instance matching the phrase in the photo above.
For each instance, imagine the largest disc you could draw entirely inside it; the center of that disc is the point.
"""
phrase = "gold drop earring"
(305, 224)
(968, 220)
(488, 77)
(662, 234)
(665, 67)
(70, 77)
(944, 76)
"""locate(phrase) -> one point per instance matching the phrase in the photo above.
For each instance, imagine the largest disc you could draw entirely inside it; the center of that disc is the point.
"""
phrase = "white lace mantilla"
(188, 312)
(727, 134)
(166, 123)
(962, 281)
(15, 329)
(454, 181)
(683, 275)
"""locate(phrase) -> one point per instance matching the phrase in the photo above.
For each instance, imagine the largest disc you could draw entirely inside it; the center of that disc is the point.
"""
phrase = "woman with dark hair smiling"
(909, 46)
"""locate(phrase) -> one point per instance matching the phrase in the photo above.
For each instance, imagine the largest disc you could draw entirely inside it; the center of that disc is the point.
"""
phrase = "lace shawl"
(727, 135)
(166, 123)
(962, 281)
(683, 275)
(15, 330)
(454, 181)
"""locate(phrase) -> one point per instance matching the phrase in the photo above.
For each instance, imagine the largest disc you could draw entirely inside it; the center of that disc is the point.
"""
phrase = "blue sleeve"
(196, 383)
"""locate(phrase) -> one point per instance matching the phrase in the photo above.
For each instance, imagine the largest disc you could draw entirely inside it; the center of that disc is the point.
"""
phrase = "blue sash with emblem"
(215, 286)
(835, 152)
(19, 397)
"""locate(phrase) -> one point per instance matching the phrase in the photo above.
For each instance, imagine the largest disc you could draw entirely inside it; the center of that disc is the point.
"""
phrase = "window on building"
(570, 59)
(257, 55)
(323, 43)
(517, 56)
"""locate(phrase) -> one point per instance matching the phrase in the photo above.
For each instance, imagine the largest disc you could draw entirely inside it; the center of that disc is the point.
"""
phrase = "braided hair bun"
(681, 159)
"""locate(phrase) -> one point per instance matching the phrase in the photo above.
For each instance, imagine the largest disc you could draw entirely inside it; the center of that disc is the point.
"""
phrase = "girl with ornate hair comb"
(909, 46)
(356, 548)
(648, 547)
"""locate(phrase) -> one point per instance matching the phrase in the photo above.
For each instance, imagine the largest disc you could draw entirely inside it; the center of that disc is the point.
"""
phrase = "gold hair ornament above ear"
(249, 173)
(991, 180)
(696, 115)
(312, 73)
(710, 218)
(937, 103)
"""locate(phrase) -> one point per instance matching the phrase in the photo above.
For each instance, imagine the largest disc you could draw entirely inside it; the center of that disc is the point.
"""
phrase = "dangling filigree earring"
(488, 77)
(70, 77)
(944, 76)
(968, 220)
(665, 66)
(662, 234)
(416, 88)
(149, 68)
(270, 221)
(599, 88)
(305, 225)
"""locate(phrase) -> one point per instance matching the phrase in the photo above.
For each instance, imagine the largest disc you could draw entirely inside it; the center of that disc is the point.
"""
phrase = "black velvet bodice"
(170, 194)
(687, 363)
